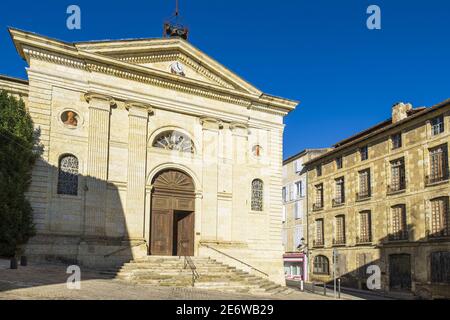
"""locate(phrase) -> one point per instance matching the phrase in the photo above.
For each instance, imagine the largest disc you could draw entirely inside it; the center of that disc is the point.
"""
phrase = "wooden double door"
(400, 272)
(172, 215)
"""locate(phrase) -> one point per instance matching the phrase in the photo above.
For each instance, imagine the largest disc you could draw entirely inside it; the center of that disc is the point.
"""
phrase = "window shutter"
(298, 235)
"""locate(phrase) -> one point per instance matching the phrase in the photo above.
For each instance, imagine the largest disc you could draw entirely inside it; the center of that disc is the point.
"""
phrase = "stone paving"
(48, 281)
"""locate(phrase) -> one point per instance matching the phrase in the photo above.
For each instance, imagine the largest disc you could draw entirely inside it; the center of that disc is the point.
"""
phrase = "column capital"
(99, 101)
(211, 123)
(90, 96)
(239, 128)
(138, 109)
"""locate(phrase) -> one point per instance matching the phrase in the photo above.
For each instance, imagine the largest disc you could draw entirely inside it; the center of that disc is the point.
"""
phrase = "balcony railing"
(339, 242)
(396, 188)
(398, 236)
(318, 243)
(338, 201)
(317, 206)
(360, 196)
(432, 179)
(364, 240)
(444, 233)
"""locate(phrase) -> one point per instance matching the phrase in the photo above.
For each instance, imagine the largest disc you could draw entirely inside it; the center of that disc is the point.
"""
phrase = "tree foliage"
(17, 139)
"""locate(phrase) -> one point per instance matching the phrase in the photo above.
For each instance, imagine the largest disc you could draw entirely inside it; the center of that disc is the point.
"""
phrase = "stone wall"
(354, 257)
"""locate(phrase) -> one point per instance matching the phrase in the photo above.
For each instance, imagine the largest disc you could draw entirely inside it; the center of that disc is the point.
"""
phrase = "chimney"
(400, 111)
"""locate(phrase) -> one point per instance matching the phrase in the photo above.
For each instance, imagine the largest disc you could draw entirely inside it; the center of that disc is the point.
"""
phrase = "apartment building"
(294, 213)
(381, 198)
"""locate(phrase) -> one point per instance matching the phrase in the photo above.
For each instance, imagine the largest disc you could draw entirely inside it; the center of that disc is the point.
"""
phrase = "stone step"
(175, 267)
(213, 275)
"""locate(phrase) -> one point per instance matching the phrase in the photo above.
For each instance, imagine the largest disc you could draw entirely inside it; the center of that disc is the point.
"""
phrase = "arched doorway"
(172, 214)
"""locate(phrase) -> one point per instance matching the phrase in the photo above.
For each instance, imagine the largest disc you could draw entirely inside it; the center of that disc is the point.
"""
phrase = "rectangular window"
(298, 235)
(339, 236)
(396, 141)
(339, 197)
(398, 223)
(364, 184)
(284, 194)
(364, 152)
(438, 165)
(339, 162)
(319, 170)
(298, 164)
(440, 218)
(296, 210)
(398, 180)
(303, 188)
(319, 197)
(292, 192)
(437, 125)
(319, 233)
(365, 234)
(299, 189)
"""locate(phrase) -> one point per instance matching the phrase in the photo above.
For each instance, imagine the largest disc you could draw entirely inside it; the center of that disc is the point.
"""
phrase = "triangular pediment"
(164, 54)
(149, 61)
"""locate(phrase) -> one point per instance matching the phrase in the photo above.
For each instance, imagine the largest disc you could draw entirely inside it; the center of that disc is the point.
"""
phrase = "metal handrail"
(188, 262)
(125, 248)
(227, 255)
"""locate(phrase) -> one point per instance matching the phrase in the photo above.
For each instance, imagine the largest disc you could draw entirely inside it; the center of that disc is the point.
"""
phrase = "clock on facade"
(177, 68)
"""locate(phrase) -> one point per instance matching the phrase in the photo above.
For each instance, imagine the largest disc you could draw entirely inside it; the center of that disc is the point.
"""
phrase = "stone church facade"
(150, 147)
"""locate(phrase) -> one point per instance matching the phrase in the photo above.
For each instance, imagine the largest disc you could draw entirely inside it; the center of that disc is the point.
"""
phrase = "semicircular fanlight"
(174, 140)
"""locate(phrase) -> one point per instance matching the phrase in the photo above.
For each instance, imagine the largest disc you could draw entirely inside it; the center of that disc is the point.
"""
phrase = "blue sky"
(319, 52)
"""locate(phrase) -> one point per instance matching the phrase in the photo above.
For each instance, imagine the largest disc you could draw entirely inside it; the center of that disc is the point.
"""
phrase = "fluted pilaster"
(97, 163)
(137, 159)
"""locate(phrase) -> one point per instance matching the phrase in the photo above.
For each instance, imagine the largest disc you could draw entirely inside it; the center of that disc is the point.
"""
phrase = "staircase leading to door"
(212, 275)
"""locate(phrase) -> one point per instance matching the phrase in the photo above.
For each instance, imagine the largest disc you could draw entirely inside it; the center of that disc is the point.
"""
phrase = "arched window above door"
(175, 141)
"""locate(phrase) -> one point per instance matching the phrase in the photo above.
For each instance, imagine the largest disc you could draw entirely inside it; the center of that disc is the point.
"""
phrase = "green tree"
(17, 139)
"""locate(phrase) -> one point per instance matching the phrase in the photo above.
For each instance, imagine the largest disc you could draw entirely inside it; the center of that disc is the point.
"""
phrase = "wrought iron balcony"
(338, 201)
(317, 206)
(339, 242)
(432, 179)
(396, 188)
(318, 243)
(360, 196)
(444, 233)
(398, 236)
(364, 240)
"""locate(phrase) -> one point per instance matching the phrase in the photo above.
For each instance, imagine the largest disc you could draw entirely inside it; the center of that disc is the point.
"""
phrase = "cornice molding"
(42, 48)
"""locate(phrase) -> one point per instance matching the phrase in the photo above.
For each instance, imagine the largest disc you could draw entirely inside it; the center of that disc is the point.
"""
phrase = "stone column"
(241, 183)
(210, 177)
(137, 164)
(97, 164)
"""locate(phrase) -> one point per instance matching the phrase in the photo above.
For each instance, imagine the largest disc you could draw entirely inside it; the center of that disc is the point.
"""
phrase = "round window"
(257, 150)
(70, 118)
